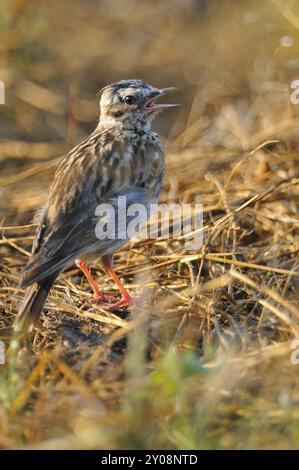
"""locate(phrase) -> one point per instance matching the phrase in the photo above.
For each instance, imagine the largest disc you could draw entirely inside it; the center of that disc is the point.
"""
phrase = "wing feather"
(97, 171)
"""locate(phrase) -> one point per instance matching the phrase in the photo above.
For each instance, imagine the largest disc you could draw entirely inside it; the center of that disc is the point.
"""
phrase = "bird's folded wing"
(75, 235)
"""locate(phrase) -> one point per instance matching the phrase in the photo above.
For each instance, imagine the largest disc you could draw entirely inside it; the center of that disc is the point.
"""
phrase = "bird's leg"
(98, 295)
(126, 299)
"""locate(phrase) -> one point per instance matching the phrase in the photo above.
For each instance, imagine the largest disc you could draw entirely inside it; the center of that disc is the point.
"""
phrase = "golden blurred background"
(217, 373)
(232, 62)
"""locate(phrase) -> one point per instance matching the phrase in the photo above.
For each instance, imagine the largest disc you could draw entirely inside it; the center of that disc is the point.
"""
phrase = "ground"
(206, 359)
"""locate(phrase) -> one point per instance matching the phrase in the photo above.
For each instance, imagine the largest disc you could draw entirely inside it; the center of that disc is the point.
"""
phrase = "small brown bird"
(122, 157)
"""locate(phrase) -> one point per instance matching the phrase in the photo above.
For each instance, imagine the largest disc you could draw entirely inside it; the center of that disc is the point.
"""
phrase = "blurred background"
(217, 372)
(231, 61)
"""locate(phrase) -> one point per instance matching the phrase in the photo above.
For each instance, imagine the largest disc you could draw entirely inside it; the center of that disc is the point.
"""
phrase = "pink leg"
(126, 299)
(98, 295)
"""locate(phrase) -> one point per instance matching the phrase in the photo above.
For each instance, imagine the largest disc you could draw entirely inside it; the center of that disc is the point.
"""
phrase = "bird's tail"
(32, 305)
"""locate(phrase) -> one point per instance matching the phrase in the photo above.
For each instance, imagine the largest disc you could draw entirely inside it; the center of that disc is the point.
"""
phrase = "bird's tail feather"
(32, 304)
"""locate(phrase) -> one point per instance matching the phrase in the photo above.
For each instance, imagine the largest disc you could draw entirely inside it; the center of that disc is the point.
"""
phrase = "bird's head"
(131, 102)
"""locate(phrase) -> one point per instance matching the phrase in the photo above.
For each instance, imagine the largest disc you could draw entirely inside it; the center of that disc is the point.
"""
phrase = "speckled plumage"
(121, 157)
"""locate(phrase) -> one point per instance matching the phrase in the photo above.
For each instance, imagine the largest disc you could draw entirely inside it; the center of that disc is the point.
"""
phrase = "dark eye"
(130, 99)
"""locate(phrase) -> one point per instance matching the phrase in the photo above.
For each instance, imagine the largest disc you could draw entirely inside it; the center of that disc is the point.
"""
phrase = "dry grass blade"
(207, 357)
(292, 323)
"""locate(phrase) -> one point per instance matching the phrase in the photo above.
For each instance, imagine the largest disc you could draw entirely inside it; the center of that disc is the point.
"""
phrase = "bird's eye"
(130, 99)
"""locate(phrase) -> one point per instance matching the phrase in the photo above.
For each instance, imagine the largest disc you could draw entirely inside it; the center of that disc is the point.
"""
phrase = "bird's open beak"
(151, 104)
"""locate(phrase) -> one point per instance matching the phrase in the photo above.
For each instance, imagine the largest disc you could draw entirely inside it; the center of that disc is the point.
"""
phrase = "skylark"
(122, 157)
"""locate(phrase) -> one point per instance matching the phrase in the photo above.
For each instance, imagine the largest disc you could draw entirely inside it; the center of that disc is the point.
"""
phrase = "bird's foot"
(125, 301)
(103, 298)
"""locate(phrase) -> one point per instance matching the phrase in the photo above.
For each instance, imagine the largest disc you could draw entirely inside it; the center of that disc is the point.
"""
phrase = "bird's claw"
(125, 301)
(98, 299)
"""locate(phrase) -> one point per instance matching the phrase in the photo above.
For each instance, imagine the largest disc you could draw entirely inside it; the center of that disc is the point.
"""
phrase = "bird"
(123, 156)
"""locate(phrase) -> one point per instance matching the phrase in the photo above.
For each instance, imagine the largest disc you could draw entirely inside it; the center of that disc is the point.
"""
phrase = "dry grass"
(203, 360)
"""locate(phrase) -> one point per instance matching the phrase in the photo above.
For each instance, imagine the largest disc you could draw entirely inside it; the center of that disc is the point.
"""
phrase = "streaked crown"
(132, 101)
